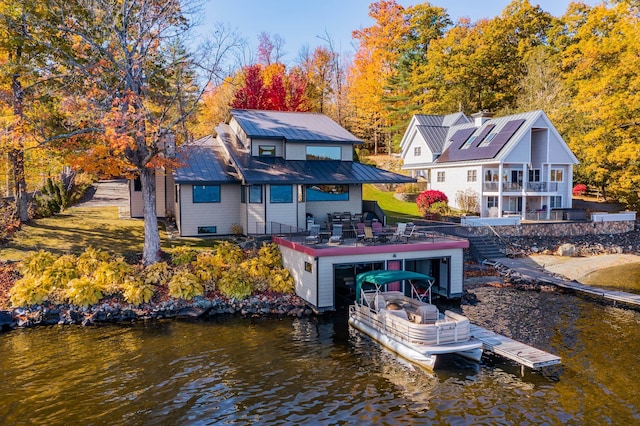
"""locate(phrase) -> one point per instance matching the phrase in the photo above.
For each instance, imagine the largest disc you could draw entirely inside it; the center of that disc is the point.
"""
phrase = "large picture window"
(281, 194)
(255, 194)
(206, 193)
(324, 153)
(327, 193)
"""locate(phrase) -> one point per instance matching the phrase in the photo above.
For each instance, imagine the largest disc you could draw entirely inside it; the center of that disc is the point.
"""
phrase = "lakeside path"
(528, 268)
(576, 268)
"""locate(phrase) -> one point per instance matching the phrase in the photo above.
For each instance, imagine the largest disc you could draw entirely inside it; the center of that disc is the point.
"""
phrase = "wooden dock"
(511, 349)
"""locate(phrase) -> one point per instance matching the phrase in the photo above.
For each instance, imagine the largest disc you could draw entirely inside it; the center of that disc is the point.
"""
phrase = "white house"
(512, 165)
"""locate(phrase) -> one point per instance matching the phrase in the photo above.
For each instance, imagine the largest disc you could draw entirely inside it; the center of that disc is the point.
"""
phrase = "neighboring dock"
(523, 354)
(538, 274)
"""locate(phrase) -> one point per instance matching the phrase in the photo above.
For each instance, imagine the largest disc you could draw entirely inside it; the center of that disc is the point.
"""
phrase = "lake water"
(318, 371)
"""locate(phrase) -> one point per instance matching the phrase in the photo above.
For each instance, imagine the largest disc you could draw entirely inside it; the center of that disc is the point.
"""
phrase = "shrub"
(580, 189)
(83, 291)
(229, 253)
(110, 276)
(185, 285)
(468, 200)
(35, 263)
(236, 229)
(281, 281)
(235, 283)
(208, 268)
(63, 270)
(183, 255)
(429, 197)
(136, 291)
(157, 274)
(258, 271)
(28, 291)
(269, 254)
(90, 259)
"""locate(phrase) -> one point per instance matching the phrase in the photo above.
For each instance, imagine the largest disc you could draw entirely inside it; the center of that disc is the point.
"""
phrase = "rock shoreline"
(114, 311)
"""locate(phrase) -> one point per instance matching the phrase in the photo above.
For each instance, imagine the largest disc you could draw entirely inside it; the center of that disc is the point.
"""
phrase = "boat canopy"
(380, 278)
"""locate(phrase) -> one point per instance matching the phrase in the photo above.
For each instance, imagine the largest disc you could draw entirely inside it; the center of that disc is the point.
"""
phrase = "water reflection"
(319, 371)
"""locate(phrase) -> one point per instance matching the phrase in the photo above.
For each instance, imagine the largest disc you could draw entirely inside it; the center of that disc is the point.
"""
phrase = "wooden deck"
(511, 349)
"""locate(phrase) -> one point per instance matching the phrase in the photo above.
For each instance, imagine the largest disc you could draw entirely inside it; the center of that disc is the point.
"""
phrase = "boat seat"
(400, 314)
(426, 314)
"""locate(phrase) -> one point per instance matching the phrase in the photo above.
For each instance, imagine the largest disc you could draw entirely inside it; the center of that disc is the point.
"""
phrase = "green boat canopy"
(380, 278)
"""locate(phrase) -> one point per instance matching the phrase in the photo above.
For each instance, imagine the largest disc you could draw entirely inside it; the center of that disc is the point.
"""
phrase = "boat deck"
(511, 349)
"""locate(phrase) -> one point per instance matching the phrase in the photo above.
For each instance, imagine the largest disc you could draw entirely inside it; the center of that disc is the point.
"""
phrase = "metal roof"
(292, 126)
(202, 161)
(434, 136)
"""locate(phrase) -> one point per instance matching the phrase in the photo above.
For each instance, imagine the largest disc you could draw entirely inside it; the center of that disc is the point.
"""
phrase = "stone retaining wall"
(563, 229)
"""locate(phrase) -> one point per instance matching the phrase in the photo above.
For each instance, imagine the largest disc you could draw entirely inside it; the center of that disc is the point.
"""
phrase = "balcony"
(537, 187)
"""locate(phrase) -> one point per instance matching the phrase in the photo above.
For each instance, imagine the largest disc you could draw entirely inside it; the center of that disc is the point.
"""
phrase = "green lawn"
(396, 210)
(80, 227)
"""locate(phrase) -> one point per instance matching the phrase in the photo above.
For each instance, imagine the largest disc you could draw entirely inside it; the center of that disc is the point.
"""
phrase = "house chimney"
(482, 117)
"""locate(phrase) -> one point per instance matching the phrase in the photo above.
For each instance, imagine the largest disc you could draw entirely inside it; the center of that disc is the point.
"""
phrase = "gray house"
(263, 170)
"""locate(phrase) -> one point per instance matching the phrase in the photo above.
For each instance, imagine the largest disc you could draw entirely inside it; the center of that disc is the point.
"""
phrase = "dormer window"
(324, 152)
(267, 150)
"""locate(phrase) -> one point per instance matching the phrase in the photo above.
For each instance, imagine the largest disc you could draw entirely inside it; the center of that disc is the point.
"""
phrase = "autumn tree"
(601, 66)
(134, 74)
(271, 88)
(373, 65)
(27, 103)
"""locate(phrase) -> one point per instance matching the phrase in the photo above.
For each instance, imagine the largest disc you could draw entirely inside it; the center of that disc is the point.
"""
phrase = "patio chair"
(336, 235)
(412, 232)
(399, 235)
(314, 235)
(360, 231)
(376, 227)
(369, 235)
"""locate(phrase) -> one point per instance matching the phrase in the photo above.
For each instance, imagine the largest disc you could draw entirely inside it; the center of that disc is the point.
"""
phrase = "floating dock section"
(523, 354)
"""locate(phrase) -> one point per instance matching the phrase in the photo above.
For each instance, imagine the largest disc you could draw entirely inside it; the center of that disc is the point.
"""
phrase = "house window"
(557, 175)
(281, 194)
(555, 202)
(207, 229)
(327, 192)
(440, 177)
(534, 175)
(324, 153)
(255, 194)
(492, 202)
(137, 184)
(472, 175)
(177, 193)
(301, 194)
(417, 151)
(206, 193)
(267, 151)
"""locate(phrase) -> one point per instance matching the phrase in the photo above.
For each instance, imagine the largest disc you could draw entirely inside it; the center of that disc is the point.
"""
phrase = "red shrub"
(426, 199)
(580, 189)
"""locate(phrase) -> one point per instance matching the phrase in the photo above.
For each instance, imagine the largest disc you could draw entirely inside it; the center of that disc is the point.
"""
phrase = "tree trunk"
(16, 158)
(151, 251)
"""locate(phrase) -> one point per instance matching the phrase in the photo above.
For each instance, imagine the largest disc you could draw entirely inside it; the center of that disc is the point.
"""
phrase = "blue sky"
(300, 22)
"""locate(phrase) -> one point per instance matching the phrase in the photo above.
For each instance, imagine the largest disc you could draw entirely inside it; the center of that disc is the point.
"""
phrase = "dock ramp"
(511, 349)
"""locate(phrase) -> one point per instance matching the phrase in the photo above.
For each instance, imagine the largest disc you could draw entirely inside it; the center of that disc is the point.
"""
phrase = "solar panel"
(454, 153)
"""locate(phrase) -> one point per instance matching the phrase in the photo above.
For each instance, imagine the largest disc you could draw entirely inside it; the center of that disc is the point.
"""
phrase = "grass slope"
(396, 210)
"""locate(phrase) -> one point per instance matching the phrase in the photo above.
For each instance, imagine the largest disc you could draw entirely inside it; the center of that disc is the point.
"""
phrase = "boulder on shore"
(567, 250)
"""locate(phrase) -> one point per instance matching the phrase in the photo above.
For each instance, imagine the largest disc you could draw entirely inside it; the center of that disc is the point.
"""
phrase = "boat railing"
(452, 328)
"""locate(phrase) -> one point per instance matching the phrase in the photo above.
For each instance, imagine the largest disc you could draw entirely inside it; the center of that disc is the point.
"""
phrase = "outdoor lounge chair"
(314, 235)
(336, 235)
(369, 235)
(399, 235)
